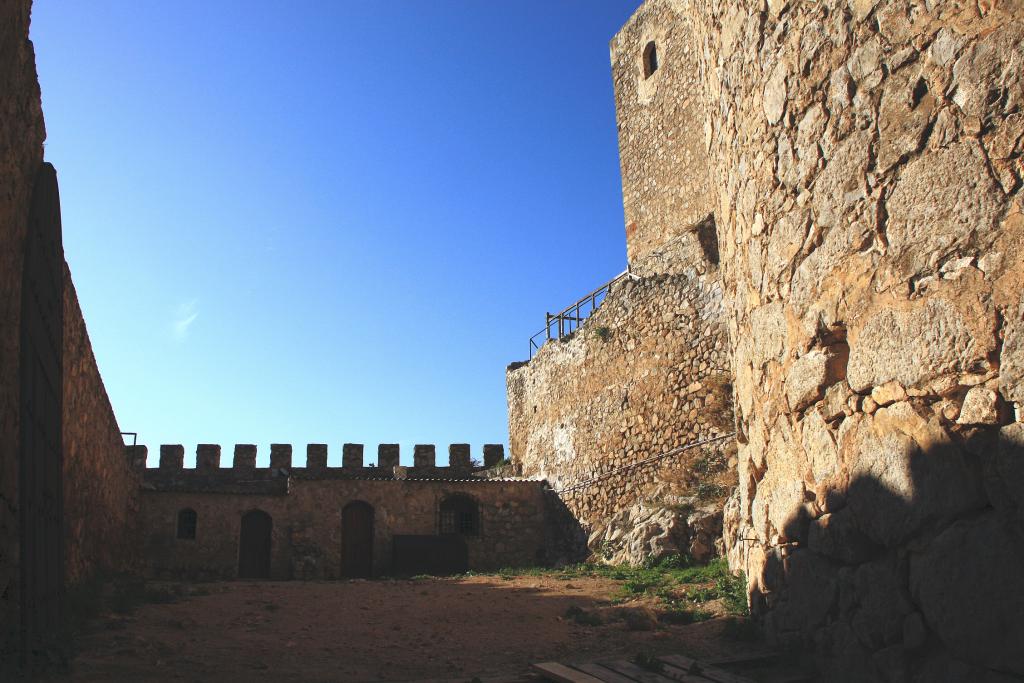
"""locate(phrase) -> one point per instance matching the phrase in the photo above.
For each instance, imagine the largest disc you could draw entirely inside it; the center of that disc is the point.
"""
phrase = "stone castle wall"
(648, 372)
(101, 490)
(865, 160)
(306, 503)
(21, 153)
(661, 121)
(98, 487)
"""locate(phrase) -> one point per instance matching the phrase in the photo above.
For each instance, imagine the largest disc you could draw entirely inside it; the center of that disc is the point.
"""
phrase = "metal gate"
(433, 555)
(41, 503)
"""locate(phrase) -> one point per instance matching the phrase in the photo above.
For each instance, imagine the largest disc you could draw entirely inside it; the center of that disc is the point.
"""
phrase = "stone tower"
(661, 125)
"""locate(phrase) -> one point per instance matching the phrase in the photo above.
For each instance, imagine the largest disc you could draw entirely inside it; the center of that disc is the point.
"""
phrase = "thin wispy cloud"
(185, 315)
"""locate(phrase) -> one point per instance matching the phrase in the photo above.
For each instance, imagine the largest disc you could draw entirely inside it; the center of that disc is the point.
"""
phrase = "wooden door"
(40, 461)
(357, 540)
(254, 545)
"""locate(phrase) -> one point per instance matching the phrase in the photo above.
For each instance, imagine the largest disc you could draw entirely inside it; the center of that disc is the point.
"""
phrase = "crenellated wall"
(208, 459)
(513, 527)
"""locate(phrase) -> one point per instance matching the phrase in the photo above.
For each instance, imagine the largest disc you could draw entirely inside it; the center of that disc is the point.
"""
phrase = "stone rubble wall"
(100, 488)
(21, 153)
(646, 373)
(866, 158)
(306, 513)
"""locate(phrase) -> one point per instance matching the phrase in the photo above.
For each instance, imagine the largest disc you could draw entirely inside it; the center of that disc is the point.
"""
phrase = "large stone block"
(911, 343)
(810, 374)
(837, 536)
(944, 201)
(1011, 357)
(967, 583)
(876, 602)
(905, 472)
(811, 591)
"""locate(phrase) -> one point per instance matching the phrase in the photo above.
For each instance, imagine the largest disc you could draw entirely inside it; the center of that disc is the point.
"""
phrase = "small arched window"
(650, 59)
(187, 523)
(460, 515)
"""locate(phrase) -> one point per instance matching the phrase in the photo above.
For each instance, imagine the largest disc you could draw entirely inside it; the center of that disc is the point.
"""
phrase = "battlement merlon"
(208, 460)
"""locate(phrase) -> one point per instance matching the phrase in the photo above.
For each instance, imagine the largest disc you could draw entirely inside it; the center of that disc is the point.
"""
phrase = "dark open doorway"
(357, 540)
(254, 545)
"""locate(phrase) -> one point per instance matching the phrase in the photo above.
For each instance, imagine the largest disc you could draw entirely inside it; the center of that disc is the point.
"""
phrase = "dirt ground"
(384, 630)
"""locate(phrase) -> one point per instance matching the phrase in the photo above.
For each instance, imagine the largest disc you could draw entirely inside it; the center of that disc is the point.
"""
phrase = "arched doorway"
(254, 545)
(40, 460)
(357, 540)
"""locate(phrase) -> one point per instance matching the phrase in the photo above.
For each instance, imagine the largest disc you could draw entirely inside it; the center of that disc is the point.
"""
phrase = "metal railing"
(569, 319)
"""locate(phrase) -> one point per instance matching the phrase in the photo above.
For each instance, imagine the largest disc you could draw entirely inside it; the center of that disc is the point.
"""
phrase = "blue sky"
(328, 222)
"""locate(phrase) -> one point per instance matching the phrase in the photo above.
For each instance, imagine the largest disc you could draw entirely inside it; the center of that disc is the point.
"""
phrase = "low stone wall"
(648, 372)
(100, 489)
(306, 510)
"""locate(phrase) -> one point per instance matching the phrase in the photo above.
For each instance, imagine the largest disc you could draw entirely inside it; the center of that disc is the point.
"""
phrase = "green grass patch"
(707, 490)
(679, 585)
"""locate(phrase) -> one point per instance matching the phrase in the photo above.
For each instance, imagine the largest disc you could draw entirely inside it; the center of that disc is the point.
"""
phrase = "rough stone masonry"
(647, 373)
(862, 160)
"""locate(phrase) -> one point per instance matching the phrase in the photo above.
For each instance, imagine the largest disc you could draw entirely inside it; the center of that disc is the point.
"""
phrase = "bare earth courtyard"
(392, 630)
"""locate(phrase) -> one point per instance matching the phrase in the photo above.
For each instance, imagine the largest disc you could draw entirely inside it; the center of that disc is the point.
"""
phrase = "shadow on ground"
(381, 630)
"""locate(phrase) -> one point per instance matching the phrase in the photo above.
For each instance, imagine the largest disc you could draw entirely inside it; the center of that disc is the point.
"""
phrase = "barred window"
(460, 515)
(187, 523)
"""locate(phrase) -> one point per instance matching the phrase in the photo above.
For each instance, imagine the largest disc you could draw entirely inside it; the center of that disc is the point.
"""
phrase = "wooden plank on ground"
(554, 671)
(754, 658)
(709, 672)
(637, 673)
(602, 673)
(682, 675)
(679, 661)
